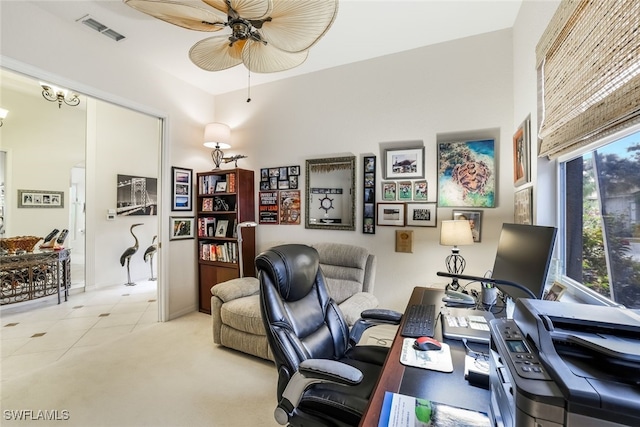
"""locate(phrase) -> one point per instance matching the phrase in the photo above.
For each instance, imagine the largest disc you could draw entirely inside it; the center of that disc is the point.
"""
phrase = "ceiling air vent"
(101, 28)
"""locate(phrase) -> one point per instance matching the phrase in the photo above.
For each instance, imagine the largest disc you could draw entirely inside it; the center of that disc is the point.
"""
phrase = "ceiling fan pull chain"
(249, 82)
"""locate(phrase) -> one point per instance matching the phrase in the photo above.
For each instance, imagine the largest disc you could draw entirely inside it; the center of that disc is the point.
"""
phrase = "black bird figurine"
(149, 253)
(128, 253)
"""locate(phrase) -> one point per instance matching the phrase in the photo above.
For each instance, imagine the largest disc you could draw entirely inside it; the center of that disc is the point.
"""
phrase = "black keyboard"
(419, 321)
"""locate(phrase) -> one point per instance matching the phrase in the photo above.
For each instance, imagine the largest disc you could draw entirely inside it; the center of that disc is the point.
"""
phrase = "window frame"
(577, 290)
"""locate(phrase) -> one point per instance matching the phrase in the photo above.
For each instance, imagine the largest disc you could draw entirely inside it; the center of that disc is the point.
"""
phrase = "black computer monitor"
(523, 257)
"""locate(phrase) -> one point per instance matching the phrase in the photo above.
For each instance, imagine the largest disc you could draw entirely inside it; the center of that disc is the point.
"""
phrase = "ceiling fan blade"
(215, 54)
(248, 9)
(265, 58)
(181, 14)
(298, 25)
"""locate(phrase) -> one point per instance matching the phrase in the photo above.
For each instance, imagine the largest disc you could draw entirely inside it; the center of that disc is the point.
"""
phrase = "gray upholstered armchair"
(235, 305)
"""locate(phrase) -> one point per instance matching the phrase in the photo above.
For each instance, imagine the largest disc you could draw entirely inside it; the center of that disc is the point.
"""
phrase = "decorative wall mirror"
(330, 201)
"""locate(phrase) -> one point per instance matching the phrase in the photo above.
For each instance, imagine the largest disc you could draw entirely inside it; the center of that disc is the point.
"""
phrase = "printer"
(565, 364)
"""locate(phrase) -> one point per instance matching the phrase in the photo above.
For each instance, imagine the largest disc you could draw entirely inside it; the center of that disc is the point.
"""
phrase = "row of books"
(223, 252)
(210, 184)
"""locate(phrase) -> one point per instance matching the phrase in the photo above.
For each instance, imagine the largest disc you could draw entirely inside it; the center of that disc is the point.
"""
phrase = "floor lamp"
(455, 233)
(239, 233)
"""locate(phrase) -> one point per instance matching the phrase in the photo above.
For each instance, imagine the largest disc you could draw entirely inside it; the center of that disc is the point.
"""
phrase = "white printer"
(563, 364)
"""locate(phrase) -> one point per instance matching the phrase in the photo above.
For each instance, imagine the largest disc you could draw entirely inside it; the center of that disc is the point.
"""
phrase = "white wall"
(461, 88)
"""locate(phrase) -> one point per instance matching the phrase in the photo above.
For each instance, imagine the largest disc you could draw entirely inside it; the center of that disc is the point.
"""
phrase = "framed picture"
(389, 190)
(420, 190)
(181, 189)
(555, 292)
(421, 214)
(221, 186)
(369, 186)
(521, 154)
(523, 206)
(467, 174)
(405, 190)
(221, 228)
(182, 227)
(391, 214)
(40, 199)
(404, 163)
(136, 195)
(475, 221)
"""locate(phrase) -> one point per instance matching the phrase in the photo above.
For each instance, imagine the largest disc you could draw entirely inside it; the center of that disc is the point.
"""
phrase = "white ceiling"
(363, 29)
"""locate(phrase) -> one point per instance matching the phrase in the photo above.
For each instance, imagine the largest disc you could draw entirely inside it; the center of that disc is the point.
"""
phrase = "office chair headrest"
(293, 269)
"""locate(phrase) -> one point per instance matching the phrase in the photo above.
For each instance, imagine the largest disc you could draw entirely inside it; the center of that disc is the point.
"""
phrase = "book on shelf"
(231, 180)
(207, 184)
(400, 410)
(221, 252)
(206, 227)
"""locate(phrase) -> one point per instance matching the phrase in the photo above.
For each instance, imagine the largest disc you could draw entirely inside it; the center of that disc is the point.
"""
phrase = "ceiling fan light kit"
(265, 35)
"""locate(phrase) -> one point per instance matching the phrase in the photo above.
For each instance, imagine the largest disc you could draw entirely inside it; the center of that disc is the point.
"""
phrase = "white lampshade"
(217, 135)
(456, 233)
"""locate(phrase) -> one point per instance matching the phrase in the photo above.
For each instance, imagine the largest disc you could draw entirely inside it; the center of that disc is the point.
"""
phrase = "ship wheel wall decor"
(265, 35)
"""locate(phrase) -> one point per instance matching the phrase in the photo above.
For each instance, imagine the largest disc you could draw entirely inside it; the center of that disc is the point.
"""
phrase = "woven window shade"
(589, 69)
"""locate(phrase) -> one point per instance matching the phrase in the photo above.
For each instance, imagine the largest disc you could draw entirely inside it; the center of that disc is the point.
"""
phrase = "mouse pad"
(435, 360)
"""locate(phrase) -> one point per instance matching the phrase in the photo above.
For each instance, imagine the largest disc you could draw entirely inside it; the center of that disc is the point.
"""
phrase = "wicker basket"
(19, 243)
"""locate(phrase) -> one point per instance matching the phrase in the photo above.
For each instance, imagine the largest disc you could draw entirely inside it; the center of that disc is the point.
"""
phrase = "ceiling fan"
(266, 35)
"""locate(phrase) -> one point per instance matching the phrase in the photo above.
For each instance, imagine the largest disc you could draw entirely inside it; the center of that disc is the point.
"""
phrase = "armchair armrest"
(353, 306)
(236, 288)
(312, 371)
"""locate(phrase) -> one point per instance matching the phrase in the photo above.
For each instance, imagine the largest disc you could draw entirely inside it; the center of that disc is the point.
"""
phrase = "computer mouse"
(426, 343)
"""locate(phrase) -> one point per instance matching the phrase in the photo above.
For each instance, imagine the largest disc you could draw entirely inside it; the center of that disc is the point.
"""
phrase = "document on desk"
(399, 410)
(436, 360)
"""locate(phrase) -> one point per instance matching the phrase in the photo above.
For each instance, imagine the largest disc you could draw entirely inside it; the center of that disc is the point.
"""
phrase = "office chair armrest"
(312, 371)
(380, 315)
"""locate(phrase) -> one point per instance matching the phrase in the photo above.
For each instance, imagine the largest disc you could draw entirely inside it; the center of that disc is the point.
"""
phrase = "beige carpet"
(168, 374)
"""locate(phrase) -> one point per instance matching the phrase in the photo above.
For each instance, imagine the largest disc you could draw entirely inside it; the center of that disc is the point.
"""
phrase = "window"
(600, 219)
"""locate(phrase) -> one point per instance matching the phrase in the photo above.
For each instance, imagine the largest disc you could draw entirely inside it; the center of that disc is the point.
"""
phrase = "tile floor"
(40, 332)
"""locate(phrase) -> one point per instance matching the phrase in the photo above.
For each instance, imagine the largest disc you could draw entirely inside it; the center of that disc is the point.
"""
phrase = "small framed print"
(221, 186)
(182, 186)
(555, 292)
(389, 190)
(420, 190)
(404, 163)
(405, 190)
(182, 227)
(521, 154)
(523, 208)
(221, 228)
(369, 185)
(475, 221)
(40, 199)
(421, 214)
(391, 214)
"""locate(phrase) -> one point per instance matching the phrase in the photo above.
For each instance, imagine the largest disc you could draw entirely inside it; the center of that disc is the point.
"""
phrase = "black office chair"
(323, 380)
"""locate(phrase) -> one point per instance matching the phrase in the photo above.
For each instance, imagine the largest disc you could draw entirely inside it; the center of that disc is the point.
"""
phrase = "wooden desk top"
(450, 388)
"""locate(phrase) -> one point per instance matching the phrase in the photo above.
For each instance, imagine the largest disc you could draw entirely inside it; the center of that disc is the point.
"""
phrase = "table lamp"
(217, 136)
(455, 233)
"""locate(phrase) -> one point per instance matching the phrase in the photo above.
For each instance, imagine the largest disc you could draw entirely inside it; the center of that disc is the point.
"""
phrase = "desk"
(450, 388)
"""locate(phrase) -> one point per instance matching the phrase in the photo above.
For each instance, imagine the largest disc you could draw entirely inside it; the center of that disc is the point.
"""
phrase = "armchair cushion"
(354, 306)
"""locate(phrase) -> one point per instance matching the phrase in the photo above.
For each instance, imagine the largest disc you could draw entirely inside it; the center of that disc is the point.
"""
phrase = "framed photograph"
(475, 221)
(420, 190)
(555, 292)
(137, 195)
(391, 214)
(421, 214)
(389, 190)
(369, 194)
(293, 182)
(182, 189)
(221, 228)
(221, 186)
(404, 163)
(405, 190)
(521, 154)
(293, 170)
(182, 227)
(467, 174)
(40, 199)
(523, 206)
(264, 174)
